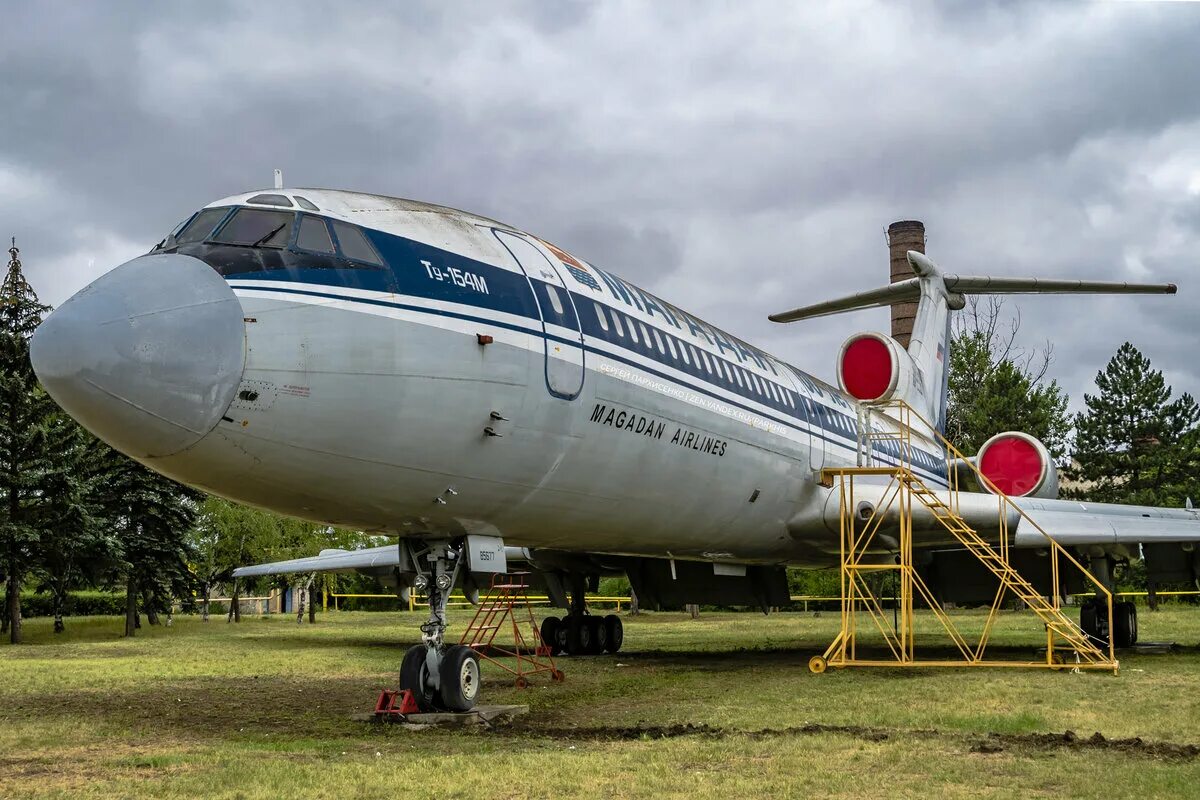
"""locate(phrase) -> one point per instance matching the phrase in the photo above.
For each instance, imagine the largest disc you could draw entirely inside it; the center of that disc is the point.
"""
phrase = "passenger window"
(671, 347)
(354, 244)
(683, 351)
(658, 340)
(201, 225)
(270, 200)
(708, 362)
(737, 374)
(555, 300)
(646, 336)
(252, 227)
(633, 331)
(314, 235)
(617, 324)
(600, 316)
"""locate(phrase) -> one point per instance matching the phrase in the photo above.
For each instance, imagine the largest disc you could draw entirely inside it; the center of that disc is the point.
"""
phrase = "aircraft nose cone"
(148, 357)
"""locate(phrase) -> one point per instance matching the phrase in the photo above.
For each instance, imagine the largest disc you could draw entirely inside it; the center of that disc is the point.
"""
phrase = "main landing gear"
(1093, 619)
(580, 633)
(1093, 615)
(438, 676)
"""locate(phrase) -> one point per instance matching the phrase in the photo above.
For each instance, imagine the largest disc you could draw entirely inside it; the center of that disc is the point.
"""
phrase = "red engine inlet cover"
(1013, 464)
(867, 368)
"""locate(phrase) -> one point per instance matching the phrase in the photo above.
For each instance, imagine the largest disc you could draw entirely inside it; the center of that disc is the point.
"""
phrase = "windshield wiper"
(269, 236)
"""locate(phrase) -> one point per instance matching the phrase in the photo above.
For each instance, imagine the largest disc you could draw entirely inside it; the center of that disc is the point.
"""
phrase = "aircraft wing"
(1074, 523)
(373, 560)
(328, 561)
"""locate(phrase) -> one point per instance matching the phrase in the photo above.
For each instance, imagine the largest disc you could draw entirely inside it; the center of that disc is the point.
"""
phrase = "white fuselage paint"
(370, 409)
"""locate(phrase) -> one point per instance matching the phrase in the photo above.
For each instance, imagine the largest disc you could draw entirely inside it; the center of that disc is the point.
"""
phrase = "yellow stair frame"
(1066, 643)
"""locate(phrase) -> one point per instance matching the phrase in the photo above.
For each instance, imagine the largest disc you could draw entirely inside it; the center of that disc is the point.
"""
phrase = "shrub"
(77, 604)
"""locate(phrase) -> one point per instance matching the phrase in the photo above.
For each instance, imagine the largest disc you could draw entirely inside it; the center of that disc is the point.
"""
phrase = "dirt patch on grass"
(992, 743)
(1069, 740)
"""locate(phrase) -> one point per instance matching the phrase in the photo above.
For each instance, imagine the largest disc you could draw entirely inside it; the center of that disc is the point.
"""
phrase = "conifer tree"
(1134, 444)
(27, 460)
(75, 547)
(150, 516)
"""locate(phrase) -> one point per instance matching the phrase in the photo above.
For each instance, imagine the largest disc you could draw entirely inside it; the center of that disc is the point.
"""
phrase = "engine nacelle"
(1019, 465)
(872, 366)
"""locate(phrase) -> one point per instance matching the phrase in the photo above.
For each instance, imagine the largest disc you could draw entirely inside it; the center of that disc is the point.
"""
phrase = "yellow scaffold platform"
(1066, 643)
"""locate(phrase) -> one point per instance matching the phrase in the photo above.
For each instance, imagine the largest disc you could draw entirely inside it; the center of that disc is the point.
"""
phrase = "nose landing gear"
(439, 676)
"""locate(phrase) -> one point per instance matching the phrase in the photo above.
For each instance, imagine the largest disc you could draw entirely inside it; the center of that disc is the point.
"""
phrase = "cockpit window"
(314, 235)
(253, 227)
(306, 204)
(270, 200)
(201, 225)
(354, 245)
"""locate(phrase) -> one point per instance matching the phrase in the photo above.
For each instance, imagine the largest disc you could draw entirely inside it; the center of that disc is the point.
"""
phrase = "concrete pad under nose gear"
(147, 357)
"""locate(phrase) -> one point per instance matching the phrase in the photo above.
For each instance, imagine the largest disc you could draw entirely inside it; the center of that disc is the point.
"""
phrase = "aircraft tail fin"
(937, 293)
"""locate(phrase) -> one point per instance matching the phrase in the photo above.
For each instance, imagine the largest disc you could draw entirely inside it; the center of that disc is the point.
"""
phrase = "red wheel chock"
(396, 703)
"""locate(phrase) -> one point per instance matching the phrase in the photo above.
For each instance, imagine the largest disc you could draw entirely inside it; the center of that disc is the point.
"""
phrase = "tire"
(579, 636)
(561, 635)
(599, 636)
(1124, 624)
(549, 633)
(616, 633)
(461, 678)
(413, 677)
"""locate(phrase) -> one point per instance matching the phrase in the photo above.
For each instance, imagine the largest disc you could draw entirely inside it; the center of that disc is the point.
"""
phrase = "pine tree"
(28, 463)
(1134, 444)
(151, 516)
(75, 546)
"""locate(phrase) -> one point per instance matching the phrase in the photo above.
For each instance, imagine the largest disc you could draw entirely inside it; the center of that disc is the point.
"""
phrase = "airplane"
(409, 369)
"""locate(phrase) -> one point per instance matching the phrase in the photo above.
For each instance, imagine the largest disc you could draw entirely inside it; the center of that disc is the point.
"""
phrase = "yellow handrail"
(1005, 501)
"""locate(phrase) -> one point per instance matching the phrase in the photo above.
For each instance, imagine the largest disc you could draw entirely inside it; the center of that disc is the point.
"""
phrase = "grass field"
(720, 706)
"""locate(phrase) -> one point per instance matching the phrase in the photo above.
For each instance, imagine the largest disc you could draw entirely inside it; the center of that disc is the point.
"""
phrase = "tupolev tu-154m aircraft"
(413, 370)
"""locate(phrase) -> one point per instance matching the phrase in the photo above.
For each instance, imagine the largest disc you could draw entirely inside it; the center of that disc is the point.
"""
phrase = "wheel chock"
(396, 703)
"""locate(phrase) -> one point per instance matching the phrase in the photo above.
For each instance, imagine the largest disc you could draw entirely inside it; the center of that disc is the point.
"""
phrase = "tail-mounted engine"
(872, 366)
(1018, 465)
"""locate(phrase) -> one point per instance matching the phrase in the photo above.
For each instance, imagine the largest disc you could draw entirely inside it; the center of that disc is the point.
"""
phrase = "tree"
(151, 515)
(226, 536)
(995, 386)
(1134, 444)
(74, 546)
(28, 434)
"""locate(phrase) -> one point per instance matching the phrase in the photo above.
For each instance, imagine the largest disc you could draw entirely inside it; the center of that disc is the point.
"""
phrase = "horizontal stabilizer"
(954, 286)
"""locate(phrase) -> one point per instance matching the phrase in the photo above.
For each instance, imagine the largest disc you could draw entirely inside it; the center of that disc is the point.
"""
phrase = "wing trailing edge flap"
(1086, 527)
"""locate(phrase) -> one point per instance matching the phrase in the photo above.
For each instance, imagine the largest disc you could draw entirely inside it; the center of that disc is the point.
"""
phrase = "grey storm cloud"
(734, 159)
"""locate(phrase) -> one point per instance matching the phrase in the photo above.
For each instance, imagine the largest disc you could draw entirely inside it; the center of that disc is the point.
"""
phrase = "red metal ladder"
(507, 606)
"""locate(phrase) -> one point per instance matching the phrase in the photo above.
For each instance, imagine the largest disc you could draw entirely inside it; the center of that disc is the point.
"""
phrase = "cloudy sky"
(737, 158)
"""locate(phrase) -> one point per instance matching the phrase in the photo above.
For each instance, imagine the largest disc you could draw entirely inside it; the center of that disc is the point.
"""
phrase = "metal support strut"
(885, 454)
(439, 676)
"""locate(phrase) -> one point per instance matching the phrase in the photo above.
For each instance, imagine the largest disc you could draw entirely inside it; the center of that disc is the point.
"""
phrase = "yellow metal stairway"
(904, 491)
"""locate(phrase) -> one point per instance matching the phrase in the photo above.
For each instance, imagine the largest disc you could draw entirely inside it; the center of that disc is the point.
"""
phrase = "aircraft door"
(562, 337)
(816, 439)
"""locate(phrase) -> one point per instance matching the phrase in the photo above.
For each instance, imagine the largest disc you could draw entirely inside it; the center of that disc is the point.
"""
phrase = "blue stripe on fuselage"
(509, 292)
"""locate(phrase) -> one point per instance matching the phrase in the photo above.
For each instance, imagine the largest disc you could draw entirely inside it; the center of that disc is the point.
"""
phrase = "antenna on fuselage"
(278, 179)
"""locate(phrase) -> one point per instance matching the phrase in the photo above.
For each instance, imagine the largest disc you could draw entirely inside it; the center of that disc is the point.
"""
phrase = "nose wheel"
(440, 677)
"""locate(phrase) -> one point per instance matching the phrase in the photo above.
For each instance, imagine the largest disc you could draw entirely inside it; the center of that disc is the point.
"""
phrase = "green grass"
(267, 709)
